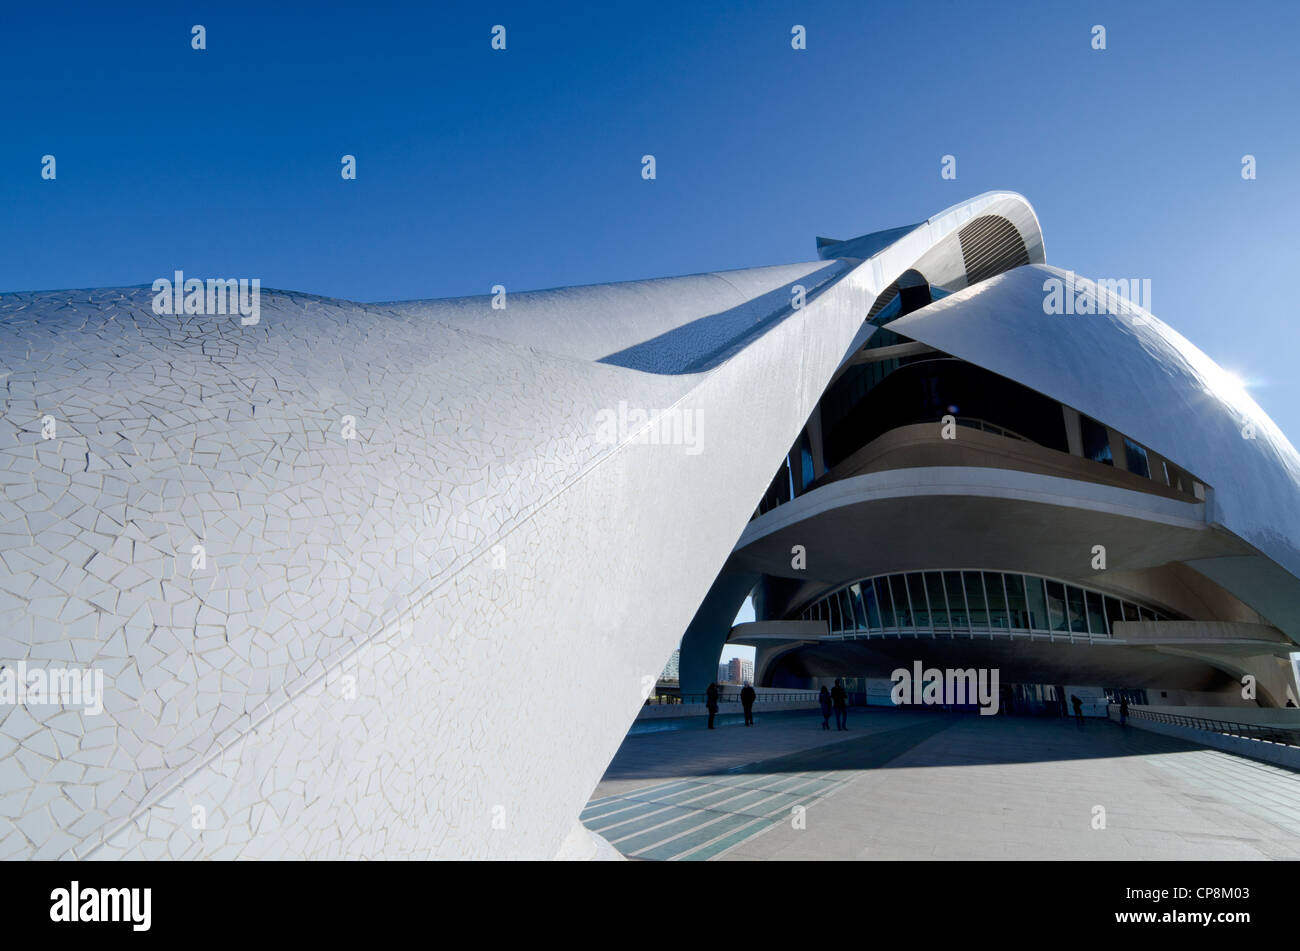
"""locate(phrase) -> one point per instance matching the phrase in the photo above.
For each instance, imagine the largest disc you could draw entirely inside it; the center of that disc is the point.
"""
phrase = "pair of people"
(837, 698)
(747, 696)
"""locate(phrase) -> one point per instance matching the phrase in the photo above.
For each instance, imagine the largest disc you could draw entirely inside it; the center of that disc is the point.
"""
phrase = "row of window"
(1137, 458)
(973, 601)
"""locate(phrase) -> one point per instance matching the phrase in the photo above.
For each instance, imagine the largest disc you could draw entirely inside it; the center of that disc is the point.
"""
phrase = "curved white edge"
(1136, 374)
(384, 504)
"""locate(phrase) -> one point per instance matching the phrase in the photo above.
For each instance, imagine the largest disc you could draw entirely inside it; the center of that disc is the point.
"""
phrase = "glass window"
(869, 604)
(1038, 619)
(1096, 613)
(916, 590)
(890, 311)
(1148, 614)
(1136, 458)
(1114, 612)
(1096, 441)
(997, 600)
(1017, 609)
(855, 599)
(833, 607)
(1078, 619)
(1078, 615)
(846, 609)
(957, 614)
(1130, 611)
(979, 614)
(1056, 606)
(938, 604)
(886, 602)
(902, 609)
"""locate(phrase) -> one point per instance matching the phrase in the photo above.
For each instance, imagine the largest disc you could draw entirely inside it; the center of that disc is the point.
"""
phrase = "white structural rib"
(424, 639)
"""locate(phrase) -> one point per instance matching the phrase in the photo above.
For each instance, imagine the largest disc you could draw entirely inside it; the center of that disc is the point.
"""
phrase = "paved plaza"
(923, 784)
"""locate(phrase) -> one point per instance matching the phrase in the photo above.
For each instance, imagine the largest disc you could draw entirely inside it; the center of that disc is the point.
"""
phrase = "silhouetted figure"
(1123, 711)
(840, 698)
(711, 701)
(1290, 702)
(747, 696)
(1078, 709)
(824, 698)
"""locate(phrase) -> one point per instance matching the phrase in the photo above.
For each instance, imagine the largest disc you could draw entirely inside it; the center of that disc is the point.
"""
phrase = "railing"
(1287, 736)
(966, 634)
(668, 699)
(971, 422)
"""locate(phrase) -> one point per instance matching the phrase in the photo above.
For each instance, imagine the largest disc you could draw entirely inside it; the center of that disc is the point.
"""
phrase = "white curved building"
(393, 580)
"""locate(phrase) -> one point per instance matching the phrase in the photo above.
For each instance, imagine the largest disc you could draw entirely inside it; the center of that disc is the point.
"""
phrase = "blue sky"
(522, 167)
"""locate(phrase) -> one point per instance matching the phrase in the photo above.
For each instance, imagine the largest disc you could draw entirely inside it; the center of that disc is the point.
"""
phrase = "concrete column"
(707, 633)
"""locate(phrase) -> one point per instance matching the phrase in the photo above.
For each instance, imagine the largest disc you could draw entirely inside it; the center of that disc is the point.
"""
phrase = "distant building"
(739, 671)
(671, 669)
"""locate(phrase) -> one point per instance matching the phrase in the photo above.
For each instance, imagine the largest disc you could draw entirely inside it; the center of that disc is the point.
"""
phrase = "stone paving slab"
(999, 787)
(728, 797)
(655, 757)
(922, 784)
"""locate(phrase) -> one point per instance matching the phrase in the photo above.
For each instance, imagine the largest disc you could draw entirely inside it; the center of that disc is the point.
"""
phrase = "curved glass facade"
(973, 602)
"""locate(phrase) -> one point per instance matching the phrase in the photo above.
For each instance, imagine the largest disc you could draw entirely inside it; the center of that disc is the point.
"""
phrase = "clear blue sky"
(522, 167)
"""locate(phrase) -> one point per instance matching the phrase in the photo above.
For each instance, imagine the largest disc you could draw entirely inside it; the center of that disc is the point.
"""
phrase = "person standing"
(711, 702)
(1123, 711)
(1078, 709)
(747, 696)
(840, 698)
(824, 698)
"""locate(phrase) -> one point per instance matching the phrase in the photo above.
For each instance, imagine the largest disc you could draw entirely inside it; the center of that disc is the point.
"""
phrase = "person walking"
(747, 696)
(711, 702)
(840, 698)
(1123, 711)
(1078, 709)
(824, 698)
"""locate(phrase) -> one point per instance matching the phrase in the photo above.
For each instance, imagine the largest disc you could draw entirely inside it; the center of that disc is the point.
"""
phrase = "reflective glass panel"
(886, 602)
(979, 614)
(1078, 619)
(869, 603)
(938, 606)
(957, 614)
(997, 600)
(855, 599)
(1016, 607)
(1038, 619)
(916, 590)
(846, 609)
(1056, 606)
(1114, 612)
(1096, 441)
(1096, 613)
(1136, 458)
(902, 610)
